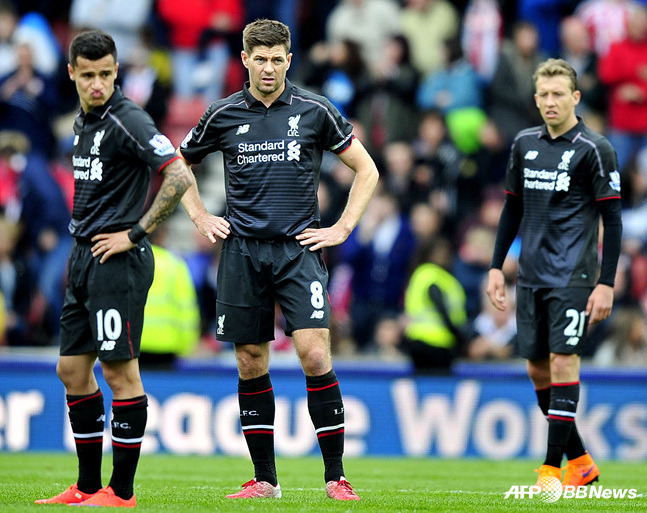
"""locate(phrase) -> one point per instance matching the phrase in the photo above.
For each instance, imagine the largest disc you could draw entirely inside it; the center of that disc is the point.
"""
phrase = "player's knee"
(316, 361)
(539, 374)
(564, 368)
(75, 378)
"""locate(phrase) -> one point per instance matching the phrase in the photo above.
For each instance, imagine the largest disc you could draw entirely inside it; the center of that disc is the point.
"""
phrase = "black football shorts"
(104, 303)
(551, 320)
(253, 275)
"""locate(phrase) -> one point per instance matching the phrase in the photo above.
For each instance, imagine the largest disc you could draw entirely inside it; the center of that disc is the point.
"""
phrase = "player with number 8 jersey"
(272, 135)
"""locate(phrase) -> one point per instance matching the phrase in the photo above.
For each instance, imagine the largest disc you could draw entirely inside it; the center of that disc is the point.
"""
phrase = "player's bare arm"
(212, 227)
(600, 303)
(366, 175)
(496, 288)
(177, 179)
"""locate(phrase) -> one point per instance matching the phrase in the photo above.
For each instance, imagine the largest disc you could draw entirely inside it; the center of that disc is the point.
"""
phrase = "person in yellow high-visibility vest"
(171, 315)
(434, 305)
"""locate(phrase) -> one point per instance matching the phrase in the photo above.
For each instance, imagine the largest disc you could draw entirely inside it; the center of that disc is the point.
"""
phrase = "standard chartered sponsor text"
(539, 179)
(255, 148)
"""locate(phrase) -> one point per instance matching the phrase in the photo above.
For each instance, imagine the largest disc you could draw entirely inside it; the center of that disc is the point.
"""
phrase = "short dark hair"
(268, 33)
(92, 45)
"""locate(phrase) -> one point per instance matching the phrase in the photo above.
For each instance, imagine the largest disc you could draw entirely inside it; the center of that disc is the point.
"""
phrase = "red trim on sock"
(259, 432)
(254, 393)
(322, 388)
(557, 417)
(329, 433)
(86, 441)
(85, 398)
(126, 403)
(565, 384)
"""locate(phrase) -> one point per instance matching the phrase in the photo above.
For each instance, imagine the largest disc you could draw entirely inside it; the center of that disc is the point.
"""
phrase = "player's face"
(95, 80)
(267, 69)
(556, 102)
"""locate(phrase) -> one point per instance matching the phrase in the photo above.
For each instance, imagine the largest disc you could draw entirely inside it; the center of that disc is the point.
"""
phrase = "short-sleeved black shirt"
(272, 157)
(115, 146)
(559, 181)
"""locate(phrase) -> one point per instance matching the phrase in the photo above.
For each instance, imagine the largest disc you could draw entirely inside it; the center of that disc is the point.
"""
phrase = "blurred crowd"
(436, 91)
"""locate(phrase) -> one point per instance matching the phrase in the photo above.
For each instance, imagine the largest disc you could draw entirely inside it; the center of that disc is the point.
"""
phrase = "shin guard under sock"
(327, 413)
(256, 402)
(128, 425)
(87, 417)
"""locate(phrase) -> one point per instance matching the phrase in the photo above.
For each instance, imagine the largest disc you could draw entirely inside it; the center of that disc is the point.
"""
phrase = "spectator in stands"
(369, 23)
(14, 286)
(426, 223)
(624, 70)
(606, 21)
(398, 171)
(140, 83)
(34, 29)
(337, 71)
(171, 315)
(482, 36)
(494, 331)
(28, 100)
(545, 15)
(8, 23)
(426, 24)
(627, 342)
(510, 103)
(388, 339)
(577, 49)
(388, 108)
(122, 19)
(472, 263)
(378, 252)
(434, 306)
(203, 267)
(199, 32)
(455, 90)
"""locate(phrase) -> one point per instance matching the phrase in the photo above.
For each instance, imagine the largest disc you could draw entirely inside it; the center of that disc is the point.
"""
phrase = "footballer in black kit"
(110, 269)
(271, 158)
(562, 178)
(272, 135)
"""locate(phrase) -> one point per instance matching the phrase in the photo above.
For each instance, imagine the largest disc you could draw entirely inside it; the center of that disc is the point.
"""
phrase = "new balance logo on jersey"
(96, 170)
(563, 182)
(97, 142)
(242, 129)
(294, 150)
(317, 314)
(221, 325)
(531, 155)
(293, 121)
(566, 160)
(573, 341)
(107, 345)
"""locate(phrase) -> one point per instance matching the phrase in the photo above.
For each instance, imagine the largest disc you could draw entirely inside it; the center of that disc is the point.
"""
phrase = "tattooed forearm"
(177, 179)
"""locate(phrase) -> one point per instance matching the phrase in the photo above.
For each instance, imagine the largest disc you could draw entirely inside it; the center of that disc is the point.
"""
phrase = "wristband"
(136, 233)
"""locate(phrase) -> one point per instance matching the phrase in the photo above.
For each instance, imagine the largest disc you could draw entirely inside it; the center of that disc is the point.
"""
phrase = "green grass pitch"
(168, 483)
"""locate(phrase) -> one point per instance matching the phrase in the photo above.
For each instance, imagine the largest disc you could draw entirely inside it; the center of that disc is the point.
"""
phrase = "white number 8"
(316, 299)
